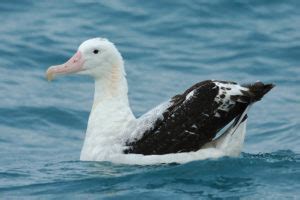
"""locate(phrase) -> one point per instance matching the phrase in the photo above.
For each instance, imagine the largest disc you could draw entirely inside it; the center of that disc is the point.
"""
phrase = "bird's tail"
(258, 90)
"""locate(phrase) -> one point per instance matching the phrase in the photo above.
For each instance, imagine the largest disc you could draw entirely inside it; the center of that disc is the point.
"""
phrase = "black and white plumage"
(195, 117)
(185, 128)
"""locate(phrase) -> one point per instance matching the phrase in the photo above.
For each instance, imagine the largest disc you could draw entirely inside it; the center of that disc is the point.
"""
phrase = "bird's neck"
(109, 117)
(112, 86)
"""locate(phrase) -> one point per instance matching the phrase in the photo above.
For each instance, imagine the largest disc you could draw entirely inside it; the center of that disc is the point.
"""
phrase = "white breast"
(105, 131)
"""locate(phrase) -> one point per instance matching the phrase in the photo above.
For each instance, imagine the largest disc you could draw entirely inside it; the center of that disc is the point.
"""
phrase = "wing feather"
(189, 120)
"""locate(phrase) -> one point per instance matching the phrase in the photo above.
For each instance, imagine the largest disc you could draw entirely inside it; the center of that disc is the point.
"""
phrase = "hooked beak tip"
(49, 75)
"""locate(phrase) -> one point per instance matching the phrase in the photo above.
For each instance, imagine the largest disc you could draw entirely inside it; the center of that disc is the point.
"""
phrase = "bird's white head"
(97, 57)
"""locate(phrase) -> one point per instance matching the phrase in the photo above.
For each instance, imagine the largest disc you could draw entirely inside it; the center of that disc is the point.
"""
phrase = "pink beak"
(73, 65)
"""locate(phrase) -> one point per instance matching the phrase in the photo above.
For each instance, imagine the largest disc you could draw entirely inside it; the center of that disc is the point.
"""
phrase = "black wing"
(196, 116)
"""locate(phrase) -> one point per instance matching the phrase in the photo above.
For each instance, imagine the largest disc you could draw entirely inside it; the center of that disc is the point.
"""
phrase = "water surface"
(167, 47)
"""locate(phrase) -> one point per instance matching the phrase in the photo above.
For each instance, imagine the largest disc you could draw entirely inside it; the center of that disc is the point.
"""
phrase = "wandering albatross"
(208, 120)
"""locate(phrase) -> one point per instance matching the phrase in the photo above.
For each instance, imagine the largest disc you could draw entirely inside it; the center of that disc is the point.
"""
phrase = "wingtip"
(272, 85)
(259, 89)
(269, 86)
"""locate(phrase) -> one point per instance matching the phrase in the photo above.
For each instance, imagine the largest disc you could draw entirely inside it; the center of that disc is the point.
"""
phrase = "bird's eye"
(96, 51)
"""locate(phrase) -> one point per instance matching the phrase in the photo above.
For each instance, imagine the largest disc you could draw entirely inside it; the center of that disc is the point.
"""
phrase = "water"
(167, 46)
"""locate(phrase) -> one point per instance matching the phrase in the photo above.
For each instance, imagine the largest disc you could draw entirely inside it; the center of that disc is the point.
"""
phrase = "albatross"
(208, 120)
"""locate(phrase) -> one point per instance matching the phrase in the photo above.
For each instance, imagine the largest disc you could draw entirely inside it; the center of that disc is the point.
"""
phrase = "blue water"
(167, 46)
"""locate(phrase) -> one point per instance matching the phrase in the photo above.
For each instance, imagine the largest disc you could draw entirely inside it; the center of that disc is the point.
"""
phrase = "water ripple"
(167, 46)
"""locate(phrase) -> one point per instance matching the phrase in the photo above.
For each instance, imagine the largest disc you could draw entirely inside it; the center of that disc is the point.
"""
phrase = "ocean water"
(167, 47)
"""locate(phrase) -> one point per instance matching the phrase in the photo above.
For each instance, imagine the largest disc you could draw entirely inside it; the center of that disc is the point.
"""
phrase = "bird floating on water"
(190, 126)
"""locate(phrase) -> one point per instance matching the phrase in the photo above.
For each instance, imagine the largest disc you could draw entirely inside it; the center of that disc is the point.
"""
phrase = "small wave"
(34, 117)
(224, 177)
